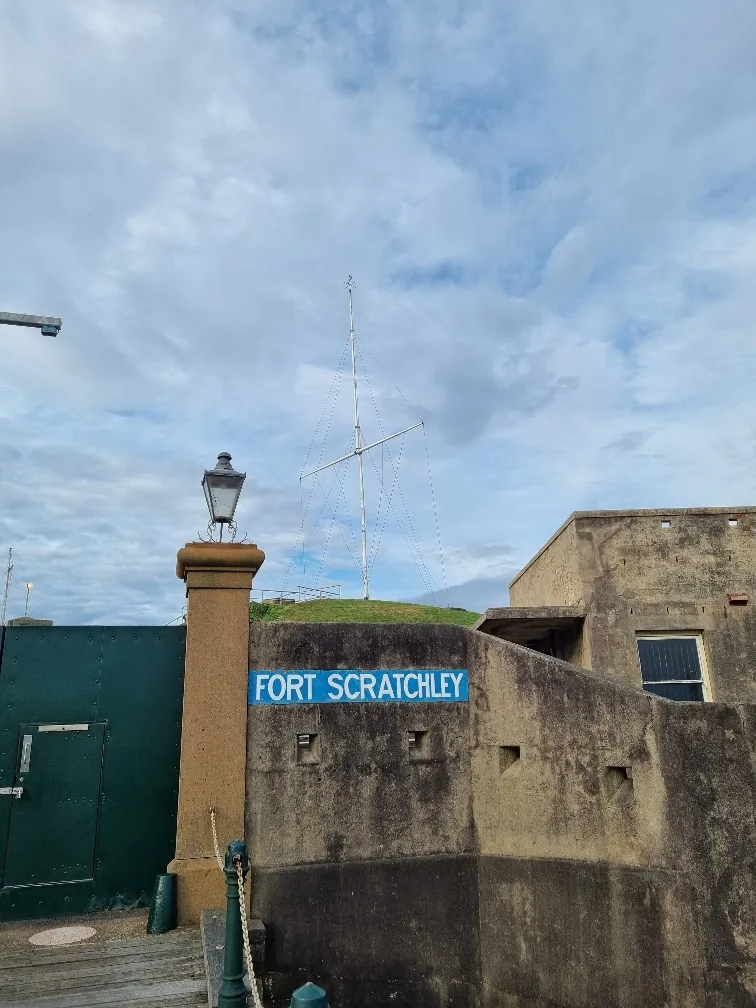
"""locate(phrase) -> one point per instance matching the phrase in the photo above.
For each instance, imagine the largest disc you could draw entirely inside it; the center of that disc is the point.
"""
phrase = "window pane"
(675, 691)
(668, 658)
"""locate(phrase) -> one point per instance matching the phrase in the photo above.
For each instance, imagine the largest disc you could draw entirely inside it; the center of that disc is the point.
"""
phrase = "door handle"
(25, 754)
(16, 792)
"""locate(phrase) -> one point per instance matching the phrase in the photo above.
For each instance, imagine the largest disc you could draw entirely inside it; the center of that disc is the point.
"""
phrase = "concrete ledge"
(236, 557)
(520, 624)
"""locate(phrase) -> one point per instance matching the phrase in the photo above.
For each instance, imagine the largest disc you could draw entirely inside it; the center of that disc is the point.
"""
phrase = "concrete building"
(556, 838)
(665, 600)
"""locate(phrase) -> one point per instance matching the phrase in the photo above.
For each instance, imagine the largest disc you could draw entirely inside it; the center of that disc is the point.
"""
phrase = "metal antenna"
(8, 572)
(359, 448)
(29, 587)
(358, 443)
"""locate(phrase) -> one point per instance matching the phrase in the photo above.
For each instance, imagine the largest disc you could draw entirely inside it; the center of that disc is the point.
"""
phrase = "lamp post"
(222, 486)
(47, 326)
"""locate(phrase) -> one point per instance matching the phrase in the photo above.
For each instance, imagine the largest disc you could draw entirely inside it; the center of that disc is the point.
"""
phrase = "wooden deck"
(153, 971)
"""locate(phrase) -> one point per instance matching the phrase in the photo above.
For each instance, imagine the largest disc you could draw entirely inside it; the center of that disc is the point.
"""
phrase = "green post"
(233, 993)
(309, 996)
(162, 916)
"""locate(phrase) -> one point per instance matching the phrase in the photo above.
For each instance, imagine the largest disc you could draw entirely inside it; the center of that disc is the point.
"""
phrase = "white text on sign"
(297, 686)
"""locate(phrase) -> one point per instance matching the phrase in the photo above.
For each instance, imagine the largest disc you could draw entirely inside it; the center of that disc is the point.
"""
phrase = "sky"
(549, 211)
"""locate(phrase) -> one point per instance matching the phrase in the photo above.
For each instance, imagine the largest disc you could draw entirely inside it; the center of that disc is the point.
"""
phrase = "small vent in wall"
(418, 745)
(308, 749)
(509, 757)
(616, 779)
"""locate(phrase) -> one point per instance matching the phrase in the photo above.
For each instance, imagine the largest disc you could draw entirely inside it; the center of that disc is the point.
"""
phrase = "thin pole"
(358, 446)
(29, 587)
(8, 572)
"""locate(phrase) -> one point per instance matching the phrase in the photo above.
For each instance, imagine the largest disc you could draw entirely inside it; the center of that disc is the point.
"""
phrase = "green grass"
(359, 611)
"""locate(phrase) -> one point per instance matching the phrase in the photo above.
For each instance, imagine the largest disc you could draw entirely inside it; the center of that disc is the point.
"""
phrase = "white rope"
(245, 935)
(218, 857)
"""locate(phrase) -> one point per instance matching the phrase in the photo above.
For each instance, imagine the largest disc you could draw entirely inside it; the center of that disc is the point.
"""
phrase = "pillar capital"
(218, 565)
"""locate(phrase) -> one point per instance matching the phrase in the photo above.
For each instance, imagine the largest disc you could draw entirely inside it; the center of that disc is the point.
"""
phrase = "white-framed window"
(673, 666)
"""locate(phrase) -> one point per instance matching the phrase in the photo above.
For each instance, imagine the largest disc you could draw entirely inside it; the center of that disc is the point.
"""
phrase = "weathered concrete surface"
(571, 842)
(635, 576)
(682, 820)
(553, 577)
(570, 933)
(372, 932)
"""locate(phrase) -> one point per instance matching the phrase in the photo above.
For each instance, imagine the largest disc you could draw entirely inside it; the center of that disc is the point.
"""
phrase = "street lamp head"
(49, 330)
(222, 486)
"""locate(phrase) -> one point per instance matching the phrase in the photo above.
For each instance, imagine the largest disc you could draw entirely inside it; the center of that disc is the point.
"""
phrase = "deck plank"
(145, 972)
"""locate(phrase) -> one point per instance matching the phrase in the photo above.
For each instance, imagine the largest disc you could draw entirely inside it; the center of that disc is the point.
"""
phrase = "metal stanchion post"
(232, 993)
(309, 996)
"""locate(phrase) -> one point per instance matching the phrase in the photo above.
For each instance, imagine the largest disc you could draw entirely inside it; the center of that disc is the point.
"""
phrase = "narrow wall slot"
(509, 757)
(417, 745)
(616, 779)
(666, 523)
(732, 522)
(738, 599)
(308, 748)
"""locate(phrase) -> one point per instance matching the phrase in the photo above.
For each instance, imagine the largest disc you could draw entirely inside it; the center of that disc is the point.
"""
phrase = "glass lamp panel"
(223, 492)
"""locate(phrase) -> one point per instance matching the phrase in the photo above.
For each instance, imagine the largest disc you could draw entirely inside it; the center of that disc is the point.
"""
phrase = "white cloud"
(549, 213)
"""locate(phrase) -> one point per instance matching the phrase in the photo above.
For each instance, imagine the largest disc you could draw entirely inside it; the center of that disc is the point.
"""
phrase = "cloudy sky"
(549, 211)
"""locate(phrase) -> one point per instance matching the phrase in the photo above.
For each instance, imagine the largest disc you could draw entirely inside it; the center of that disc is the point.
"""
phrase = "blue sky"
(550, 215)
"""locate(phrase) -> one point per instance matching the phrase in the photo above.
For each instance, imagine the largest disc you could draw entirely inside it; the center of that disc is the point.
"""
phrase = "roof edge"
(632, 513)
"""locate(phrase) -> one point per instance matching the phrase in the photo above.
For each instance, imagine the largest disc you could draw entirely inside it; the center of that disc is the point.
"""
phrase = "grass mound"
(359, 611)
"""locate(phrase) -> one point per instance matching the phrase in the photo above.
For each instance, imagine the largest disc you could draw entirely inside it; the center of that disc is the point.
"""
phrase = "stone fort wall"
(560, 839)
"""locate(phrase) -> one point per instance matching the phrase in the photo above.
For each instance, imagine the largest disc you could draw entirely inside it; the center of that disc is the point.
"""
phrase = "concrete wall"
(599, 889)
(568, 842)
(364, 869)
(634, 576)
(552, 577)
(642, 578)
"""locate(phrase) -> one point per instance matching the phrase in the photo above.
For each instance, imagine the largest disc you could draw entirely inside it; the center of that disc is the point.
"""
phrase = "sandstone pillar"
(218, 579)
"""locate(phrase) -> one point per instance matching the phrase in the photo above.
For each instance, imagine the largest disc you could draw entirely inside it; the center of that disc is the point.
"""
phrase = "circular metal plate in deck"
(62, 936)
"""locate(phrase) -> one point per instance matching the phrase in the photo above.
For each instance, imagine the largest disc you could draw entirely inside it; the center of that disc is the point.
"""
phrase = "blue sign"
(297, 686)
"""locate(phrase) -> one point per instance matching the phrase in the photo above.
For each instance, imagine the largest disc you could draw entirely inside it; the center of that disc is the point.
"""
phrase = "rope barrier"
(218, 857)
(245, 934)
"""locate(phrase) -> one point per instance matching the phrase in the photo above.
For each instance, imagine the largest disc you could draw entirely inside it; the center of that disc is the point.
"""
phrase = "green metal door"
(53, 824)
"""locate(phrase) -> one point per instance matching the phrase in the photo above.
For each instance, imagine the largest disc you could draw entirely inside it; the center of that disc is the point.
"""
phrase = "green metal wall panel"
(129, 679)
(142, 692)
